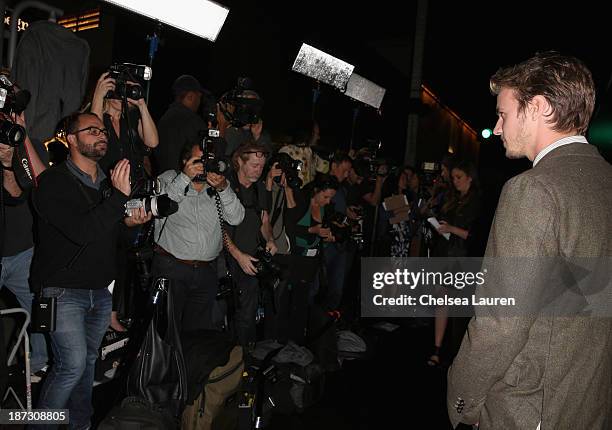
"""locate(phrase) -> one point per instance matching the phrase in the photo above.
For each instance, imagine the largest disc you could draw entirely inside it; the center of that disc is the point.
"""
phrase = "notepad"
(434, 222)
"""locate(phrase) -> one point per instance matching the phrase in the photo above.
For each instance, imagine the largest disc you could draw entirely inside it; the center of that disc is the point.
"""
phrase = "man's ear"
(71, 139)
(539, 106)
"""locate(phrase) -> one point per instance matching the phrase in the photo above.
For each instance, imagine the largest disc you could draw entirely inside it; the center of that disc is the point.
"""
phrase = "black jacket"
(74, 232)
(52, 63)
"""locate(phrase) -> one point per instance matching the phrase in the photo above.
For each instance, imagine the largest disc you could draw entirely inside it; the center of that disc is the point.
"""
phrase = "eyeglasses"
(93, 130)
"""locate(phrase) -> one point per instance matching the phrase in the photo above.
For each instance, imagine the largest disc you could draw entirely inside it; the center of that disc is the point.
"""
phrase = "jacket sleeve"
(59, 201)
(293, 215)
(516, 263)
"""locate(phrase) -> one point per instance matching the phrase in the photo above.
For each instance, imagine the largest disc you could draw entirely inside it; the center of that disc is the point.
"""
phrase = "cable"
(224, 237)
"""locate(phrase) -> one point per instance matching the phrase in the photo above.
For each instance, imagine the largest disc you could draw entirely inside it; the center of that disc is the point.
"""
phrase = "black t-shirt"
(255, 199)
(177, 127)
(120, 147)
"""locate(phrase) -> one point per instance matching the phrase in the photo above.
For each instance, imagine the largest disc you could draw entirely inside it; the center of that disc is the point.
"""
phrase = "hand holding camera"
(105, 84)
(246, 263)
(193, 167)
(138, 216)
(120, 177)
(216, 181)
(6, 155)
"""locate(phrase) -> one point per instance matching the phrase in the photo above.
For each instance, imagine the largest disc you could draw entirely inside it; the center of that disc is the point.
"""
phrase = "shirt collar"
(561, 142)
(84, 177)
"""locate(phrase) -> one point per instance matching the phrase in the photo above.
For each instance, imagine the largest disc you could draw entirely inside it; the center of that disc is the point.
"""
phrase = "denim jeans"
(15, 274)
(83, 317)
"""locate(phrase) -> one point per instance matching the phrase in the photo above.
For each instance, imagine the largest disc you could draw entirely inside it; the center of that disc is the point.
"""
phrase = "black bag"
(158, 374)
(137, 414)
(322, 339)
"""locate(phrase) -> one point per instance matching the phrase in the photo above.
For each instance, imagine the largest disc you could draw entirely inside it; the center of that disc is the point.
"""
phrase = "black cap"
(186, 83)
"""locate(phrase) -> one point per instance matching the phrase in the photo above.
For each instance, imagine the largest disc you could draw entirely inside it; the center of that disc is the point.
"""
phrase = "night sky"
(466, 42)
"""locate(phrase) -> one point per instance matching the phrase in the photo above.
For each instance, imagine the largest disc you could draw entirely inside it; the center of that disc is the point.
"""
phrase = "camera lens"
(11, 134)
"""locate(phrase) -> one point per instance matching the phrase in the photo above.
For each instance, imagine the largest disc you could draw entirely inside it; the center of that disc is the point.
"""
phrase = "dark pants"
(303, 284)
(335, 262)
(276, 303)
(248, 302)
(193, 290)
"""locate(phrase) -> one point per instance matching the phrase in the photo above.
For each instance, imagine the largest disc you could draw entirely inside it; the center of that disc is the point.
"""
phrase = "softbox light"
(202, 18)
(323, 67)
(365, 91)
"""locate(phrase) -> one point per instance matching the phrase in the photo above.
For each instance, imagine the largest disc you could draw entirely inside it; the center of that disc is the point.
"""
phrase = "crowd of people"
(289, 225)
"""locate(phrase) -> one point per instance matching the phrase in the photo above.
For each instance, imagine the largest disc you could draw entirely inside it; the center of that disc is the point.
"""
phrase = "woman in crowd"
(458, 215)
(131, 135)
(304, 219)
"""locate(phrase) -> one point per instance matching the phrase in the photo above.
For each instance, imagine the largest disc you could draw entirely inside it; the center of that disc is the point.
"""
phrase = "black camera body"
(124, 72)
(11, 103)
(212, 163)
(431, 173)
(247, 106)
(290, 168)
(339, 225)
(268, 270)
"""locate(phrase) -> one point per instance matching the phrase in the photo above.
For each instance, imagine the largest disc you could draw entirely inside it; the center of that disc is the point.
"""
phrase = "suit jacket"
(513, 372)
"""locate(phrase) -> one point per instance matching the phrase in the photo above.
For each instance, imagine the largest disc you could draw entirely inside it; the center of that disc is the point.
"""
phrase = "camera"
(246, 103)
(290, 167)
(124, 72)
(381, 167)
(431, 173)
(160, 206)
(343, 228)
(212, 163)
(11, 103)
(268, 271)
(146, 194)
(339, 225)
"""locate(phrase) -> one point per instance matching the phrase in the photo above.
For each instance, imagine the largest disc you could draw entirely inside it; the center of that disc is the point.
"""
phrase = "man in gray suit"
(535, 370)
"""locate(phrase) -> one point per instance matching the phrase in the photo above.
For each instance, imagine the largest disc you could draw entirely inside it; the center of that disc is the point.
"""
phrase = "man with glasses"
(249, 161)
(79, 212)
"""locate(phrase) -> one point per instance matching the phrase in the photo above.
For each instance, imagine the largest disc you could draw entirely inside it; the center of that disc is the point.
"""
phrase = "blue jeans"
(83, 317)
(15, 274)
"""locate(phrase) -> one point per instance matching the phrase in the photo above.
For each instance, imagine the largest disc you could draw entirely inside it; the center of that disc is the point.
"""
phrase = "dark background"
(466, 42)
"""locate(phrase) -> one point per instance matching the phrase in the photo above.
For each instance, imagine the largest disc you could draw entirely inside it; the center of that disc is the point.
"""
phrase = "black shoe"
(36, 377)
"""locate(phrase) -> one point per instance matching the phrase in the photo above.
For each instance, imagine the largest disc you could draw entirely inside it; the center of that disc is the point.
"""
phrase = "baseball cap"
(186, 83)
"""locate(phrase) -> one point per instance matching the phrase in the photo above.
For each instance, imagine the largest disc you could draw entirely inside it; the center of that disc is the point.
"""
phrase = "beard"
(94, 152)
(516, 148)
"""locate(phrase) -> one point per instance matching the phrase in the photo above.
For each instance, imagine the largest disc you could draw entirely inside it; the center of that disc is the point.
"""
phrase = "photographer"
(21, 164)
(304, 217)
(131, 134)
(239, 118)
(74, 261)
(336, 253)
(249, 161)
(180, 124)
(189, 241)
(301, 149)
